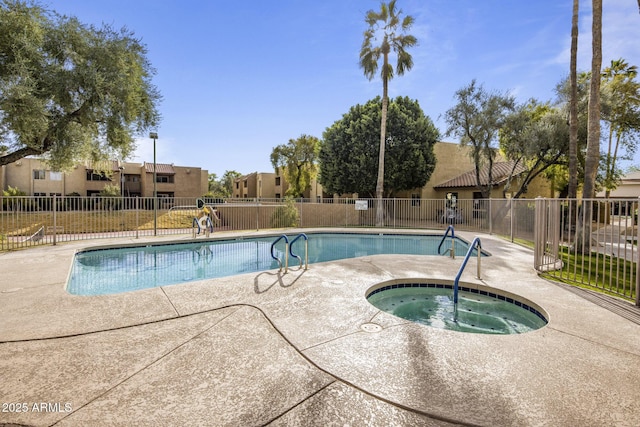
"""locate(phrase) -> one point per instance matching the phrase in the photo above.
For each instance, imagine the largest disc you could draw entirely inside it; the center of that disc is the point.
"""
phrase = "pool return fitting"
(288, 251)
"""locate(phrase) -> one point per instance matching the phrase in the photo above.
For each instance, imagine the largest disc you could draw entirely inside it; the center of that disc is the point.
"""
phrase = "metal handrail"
(306, 250)
(453, 241)
(208, 224)
(474, 244)
(286, 252)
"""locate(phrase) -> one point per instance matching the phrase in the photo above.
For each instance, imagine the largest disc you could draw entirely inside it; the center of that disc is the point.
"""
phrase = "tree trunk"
(593, 135)
(583, 241)
(573, 106)
(383, 131)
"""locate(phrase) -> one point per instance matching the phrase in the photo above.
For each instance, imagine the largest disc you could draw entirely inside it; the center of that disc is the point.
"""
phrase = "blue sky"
(240, 77)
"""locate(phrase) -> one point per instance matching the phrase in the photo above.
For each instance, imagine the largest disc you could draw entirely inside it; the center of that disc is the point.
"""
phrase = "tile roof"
(500, 173)
(164, 168)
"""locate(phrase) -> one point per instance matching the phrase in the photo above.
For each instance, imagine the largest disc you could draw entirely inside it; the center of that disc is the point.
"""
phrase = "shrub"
(286, 215)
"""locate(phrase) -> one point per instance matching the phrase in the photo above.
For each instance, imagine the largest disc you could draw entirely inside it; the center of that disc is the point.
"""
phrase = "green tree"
(298, 161)
(227, 180)
(620, 97)
(386, 34)
(215, 187)
(286, 215)
(563, 90)
(476, 120)
(221, 188)
(535, 137)
(349, 149)
(69, 91)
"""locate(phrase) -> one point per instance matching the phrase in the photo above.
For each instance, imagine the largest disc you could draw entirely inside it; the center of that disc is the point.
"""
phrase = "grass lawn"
(611, 275)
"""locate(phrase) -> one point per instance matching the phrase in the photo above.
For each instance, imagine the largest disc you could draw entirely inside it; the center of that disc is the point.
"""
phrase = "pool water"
(108, 271)
(477, 312)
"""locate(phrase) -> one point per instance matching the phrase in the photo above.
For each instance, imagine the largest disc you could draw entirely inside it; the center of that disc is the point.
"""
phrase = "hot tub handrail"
(286, 252)
(446, 233)
(474, 244)
(306, 250)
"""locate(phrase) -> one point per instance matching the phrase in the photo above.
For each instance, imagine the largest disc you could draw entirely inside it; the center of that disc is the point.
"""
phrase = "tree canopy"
(298, 160)
(535, 137)
(349, 151)
(476, 120)
(70, 91)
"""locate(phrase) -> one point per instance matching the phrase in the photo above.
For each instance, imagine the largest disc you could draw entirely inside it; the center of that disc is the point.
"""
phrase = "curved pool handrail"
(286, 252)
(446, 233)
(306, 250)
(207, 226)
(474, 244)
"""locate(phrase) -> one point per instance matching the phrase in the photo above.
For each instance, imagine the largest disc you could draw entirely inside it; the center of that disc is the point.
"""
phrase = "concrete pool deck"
(290, 350)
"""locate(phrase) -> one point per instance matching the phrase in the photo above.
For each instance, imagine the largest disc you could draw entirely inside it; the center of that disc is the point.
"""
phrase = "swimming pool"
(109, 271)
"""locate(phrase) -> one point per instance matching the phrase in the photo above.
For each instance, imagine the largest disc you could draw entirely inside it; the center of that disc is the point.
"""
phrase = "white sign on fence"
(362, 205)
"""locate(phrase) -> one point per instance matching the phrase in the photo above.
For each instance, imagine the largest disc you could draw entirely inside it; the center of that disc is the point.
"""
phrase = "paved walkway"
(290, 350)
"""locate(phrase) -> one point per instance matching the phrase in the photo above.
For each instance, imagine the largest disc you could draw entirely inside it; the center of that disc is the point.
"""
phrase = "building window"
(165, 179)
(38, 174)
(415, 199)
(245, 184)
(277, 180)
(55, 176)
(237, 185)
(95, 176)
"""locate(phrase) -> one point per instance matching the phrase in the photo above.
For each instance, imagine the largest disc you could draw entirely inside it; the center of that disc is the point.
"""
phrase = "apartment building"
(134, 179)
(453, 176)
(271, 185)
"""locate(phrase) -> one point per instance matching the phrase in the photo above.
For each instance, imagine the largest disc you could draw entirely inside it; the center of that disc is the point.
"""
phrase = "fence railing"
(552, 226)
(592, 243)
(28, 221)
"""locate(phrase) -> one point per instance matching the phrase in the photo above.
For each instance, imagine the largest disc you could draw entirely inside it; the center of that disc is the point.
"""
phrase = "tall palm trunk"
(593, 133)
(593, 126)
(573, 105)
(383, 133)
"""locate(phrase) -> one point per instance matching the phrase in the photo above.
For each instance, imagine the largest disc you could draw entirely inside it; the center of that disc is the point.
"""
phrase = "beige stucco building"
(270, 185)
(34, 177)
(454, 174)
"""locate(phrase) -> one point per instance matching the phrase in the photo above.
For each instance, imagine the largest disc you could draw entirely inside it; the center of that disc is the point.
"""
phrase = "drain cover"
(371, 327)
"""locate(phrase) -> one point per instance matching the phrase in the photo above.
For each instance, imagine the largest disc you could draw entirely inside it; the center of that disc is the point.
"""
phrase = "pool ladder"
(475, 244)
(288, 251)
(202, 225)
(452, 249)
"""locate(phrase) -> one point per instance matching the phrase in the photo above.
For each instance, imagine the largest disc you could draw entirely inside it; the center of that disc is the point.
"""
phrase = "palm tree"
(621, 102)
(583, 242)
(573, 106)
(386, 33)
(593, 120)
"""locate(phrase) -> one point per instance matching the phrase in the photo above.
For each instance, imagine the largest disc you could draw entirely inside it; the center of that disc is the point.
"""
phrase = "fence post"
(490, 218)
(137, 217)
(538, 232)
(55, 228)
(257, 213)
(300, 215)
(511, 218)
